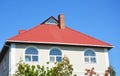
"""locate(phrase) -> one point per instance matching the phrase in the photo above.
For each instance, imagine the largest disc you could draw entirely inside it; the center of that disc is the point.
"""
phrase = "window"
(51, 21)
(55, 55)
(31, 54)
(89, 56)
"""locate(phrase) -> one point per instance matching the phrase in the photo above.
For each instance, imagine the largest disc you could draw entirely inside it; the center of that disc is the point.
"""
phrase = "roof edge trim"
(59, 43)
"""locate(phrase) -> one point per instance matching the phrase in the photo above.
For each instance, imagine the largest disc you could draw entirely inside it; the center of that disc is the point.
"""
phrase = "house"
(49, 42)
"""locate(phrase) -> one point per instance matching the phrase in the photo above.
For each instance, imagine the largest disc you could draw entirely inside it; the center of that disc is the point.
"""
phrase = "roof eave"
(60, 43)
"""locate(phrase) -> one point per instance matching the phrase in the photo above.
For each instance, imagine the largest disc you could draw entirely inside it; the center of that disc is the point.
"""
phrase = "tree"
(31, 70)
(26, 70)
(90, 72)
(112, 72)
(63, 68)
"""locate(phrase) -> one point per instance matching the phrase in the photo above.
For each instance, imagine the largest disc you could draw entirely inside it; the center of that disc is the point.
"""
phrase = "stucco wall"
(75, 54)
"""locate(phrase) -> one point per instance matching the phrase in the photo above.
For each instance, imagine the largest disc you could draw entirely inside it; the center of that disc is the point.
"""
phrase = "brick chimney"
(61, 21)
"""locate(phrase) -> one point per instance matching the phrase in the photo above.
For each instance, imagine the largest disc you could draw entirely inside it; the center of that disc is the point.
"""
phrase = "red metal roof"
(52, 34)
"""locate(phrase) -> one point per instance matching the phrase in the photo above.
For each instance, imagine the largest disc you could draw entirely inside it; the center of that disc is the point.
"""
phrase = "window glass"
(52, 59)
(31, 54)
(27, 58)
(58, 59)
(86, 59)
(55, 55)
(89, 53)
(93, 60)
(51, 21)
(90, 56)
(34, 58)
(55, 51)
(31, 50)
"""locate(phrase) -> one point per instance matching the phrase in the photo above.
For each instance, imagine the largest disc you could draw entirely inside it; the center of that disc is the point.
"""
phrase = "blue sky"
(97, 18)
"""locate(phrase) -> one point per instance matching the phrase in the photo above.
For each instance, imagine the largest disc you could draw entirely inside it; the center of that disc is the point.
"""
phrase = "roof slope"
(52, 34)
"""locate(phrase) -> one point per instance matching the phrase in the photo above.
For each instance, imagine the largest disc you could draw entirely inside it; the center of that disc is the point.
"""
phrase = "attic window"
(51, 21)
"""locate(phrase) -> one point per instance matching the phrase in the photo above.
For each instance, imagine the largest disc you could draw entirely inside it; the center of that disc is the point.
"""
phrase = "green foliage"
(63, 68)
(112, 71)
(26, 70)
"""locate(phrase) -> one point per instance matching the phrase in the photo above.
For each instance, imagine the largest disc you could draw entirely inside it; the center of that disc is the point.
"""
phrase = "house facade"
(49, 42)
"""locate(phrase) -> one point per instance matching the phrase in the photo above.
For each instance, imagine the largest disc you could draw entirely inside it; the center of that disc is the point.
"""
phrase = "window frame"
(55, 56)
(31, 55)
(51, 21)
(90, 61)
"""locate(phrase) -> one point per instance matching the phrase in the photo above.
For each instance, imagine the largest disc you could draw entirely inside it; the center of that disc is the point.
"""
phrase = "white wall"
(75, 54)
(12, 56)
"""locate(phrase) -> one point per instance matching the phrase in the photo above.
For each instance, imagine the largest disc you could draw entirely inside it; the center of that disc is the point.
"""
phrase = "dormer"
(51, 20)
(59, 22)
